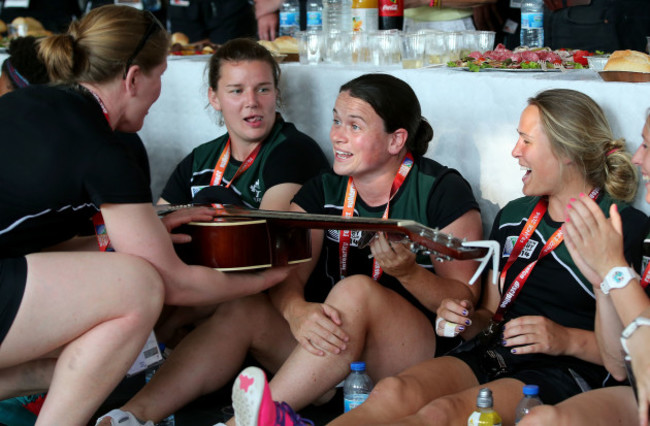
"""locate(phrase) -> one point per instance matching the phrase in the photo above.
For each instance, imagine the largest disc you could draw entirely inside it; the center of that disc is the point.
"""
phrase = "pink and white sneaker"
(251, 399)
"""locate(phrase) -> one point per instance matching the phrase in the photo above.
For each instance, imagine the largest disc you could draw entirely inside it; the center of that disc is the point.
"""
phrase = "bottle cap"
(484, 399)
(531, 390)
(358, 366)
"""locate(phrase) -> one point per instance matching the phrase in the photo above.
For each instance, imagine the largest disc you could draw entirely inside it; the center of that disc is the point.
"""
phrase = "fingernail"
(582, 194)
(573, 200)
(568, 206)
(468, 322)
(461, 327)
(514, 351)
(503, 343)
(464, 311)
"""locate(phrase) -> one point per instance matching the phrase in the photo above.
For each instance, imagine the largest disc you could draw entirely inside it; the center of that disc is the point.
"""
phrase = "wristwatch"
(630, 329)
(617, 277)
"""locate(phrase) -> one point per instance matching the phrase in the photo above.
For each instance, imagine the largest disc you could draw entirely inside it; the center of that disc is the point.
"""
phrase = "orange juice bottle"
(365, 15)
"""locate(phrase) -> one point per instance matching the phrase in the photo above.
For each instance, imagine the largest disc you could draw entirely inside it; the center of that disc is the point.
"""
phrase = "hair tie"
(18, 80)
(611, 151)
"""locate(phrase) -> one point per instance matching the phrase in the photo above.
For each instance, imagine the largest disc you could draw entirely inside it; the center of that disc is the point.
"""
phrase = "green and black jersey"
(432, 195)
(287, 156)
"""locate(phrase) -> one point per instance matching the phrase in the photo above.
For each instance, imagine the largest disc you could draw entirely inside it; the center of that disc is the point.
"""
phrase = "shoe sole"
(247, 393)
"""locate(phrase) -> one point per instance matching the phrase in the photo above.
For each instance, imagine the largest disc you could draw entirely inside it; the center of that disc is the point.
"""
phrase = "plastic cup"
(310, 47)
(386, 49)
(17, 30)
(412, 50)
(361, 50)
(338, 47)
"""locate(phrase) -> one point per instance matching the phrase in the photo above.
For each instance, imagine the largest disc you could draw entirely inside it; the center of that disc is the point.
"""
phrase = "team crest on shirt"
(335, 235)
(526, 253)
(255, 191)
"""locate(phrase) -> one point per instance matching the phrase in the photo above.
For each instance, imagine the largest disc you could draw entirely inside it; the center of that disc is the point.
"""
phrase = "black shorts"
(557, 379)
(218, 20)
(13, 276)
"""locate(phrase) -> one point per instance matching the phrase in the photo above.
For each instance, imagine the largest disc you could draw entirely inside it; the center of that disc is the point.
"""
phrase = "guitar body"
(238, 244)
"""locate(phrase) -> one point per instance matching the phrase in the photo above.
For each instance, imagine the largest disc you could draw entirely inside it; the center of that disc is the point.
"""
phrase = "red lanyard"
(645, 277)
(531, 224)
(348, 211)
(220, 168)
(103, 241)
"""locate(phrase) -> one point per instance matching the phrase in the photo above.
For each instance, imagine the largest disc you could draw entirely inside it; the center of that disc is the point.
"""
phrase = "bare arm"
(135, 229)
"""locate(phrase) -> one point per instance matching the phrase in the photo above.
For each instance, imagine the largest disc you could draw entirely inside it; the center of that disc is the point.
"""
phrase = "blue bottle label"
(353, 401)
(314, 19)
(288, 19)
(532, 20)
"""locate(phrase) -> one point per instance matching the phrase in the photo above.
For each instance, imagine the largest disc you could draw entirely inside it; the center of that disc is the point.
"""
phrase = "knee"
(243, 311)
(444, 411)
(143, 289)
(355, 290)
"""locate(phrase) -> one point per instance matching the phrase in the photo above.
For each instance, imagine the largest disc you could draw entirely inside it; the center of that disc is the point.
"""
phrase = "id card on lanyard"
(518, 283)
(348, 211)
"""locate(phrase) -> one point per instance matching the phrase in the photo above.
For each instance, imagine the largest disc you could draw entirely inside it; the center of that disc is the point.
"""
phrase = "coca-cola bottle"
(391, 14)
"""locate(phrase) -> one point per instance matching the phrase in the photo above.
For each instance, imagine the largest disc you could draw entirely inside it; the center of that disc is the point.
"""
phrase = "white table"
(474, 116)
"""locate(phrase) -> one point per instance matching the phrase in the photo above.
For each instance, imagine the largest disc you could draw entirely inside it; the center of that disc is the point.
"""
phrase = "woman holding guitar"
(326, 316)
(536, 326)
(76, 311)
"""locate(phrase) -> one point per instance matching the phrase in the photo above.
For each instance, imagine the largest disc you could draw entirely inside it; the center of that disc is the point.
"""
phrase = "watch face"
(619, 276)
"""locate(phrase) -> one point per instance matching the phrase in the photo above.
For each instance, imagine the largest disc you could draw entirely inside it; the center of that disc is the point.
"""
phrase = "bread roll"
(628, 60)
(34, 27)
(180, 38)
(3, 27)
(286, 44)
(270, 46)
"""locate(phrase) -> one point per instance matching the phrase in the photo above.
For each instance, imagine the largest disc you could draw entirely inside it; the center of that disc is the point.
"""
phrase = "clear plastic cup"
(412, 50)
(310, 47)
(386, 49)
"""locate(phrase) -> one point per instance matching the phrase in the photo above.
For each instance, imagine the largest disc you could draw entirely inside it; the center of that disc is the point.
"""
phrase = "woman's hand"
(267, 25)
(639, 346)
(454, 316)
(317, 327)
(594, 242)
(535, 334)
(181, 217)
(394, 257)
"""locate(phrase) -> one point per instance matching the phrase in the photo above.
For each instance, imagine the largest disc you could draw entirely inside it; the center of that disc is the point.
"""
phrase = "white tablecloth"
(474, 116)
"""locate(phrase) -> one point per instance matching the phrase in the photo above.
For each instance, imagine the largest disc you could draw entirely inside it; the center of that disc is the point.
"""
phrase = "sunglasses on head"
(154, 26)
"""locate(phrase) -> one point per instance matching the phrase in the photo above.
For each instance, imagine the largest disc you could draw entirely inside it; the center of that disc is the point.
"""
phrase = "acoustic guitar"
(240, 239)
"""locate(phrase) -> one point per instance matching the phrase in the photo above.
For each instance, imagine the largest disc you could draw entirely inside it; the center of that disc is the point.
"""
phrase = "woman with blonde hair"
(75, 311)
(623, 311)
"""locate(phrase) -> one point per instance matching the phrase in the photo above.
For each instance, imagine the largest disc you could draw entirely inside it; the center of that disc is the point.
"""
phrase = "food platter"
(626, 76)
(515, 70)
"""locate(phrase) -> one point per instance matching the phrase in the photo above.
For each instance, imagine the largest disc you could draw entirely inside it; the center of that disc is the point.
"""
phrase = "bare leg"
(213, 354)
(606, 407)
(399, 396)
(385, 330)
(99, 308)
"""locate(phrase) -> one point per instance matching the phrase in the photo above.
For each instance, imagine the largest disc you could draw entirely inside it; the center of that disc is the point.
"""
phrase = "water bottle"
(484, 414)
(357, 386)
(532, 23)
(531, 399)
(289, 18)
(314, 15)
(337, 15)
(169, 420)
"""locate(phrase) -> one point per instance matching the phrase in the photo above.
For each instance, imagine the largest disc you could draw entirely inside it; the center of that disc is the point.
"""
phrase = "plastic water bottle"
(357, 386)
(532, 23)
(289, 18)
(337, 15)
(484, 414)
(314, 15)
(531, 399)
(169, 420)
